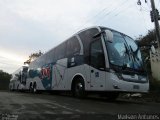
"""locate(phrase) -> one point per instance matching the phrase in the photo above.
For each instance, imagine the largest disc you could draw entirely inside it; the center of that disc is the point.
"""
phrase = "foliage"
(147, 40)
(33, 56)
(4, 80)
(154, 85)
(145, 43)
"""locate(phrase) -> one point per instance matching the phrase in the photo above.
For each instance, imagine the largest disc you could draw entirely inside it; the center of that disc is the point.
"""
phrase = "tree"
(4, 80)
(33, 56)
(147, 40)
(145, 43)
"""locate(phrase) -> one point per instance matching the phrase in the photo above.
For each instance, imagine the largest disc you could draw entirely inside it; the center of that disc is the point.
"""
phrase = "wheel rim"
(78, 88)
(34, 90)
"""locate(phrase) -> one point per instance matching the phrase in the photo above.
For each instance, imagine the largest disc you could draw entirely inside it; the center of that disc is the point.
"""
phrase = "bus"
(17, 81)
(94, 60)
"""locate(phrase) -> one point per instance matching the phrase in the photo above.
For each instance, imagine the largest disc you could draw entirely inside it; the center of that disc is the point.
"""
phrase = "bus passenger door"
(97, 66)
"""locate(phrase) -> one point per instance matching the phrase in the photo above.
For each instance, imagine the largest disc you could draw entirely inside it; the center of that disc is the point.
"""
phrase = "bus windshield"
(124, 52)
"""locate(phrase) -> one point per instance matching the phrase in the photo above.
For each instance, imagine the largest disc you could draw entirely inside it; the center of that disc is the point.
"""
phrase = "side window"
(56, 54)
(50, 56)
(53, 55)
(87, 38)
(73, 46)
(61, 51)
(39, 62)
(19, 77)
(47, 58)
(97, 59)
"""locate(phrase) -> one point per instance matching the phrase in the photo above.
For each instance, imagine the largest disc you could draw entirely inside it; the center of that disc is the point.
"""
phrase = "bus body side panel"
(15, 80)
(39, 83)
(95, 80)
(28, 81)
(59, 74)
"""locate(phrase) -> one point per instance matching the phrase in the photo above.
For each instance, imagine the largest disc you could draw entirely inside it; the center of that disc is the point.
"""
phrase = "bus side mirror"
(153, 50)
(109, 35)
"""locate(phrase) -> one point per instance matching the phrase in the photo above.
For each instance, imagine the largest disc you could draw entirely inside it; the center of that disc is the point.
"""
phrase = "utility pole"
(155, 15)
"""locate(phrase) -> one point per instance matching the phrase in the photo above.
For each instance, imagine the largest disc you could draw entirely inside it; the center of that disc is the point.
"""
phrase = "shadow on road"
(95, 98)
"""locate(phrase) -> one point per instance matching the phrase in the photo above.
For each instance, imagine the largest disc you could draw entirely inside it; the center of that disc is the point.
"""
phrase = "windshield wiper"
(136, 60)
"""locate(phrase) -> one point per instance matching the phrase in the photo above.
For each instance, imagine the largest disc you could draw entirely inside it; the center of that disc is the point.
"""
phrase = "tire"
(79, 88)
(34, 88)
(17, 88)
(13, 87)
(30, 88)
(10, 88)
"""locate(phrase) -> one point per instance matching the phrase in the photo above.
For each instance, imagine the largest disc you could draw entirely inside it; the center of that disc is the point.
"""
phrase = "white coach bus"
(96, 59)
(17, 81)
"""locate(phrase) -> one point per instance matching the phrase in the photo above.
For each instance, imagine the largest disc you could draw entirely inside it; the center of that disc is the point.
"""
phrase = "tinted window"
(87, 37)
(44, 59)
(60, 51)
(73, 46)
(52, 55)
(48, 58)
(97, 56)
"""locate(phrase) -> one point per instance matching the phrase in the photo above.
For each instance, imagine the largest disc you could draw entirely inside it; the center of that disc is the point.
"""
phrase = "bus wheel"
(18, 87)
(34, 88)
(30, 88)
(10, 88)
(79, 89)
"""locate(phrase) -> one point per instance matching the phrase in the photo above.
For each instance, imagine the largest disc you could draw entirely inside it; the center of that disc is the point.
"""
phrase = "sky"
(27, 26)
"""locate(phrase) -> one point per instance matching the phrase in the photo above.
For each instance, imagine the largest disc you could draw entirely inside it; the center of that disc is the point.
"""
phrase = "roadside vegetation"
(4, 80)
(145, 43)
(5, 77)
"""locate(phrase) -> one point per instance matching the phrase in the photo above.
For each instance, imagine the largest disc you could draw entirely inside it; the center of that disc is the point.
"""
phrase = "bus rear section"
(18, 80)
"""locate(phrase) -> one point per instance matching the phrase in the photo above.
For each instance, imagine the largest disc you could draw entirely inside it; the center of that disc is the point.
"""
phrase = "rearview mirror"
(109, 35)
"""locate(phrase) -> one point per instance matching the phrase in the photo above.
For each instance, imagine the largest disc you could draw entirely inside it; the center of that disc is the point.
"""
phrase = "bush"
(4, 80)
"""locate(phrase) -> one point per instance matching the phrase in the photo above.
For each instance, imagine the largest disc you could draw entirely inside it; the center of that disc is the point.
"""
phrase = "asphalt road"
(27, 106)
